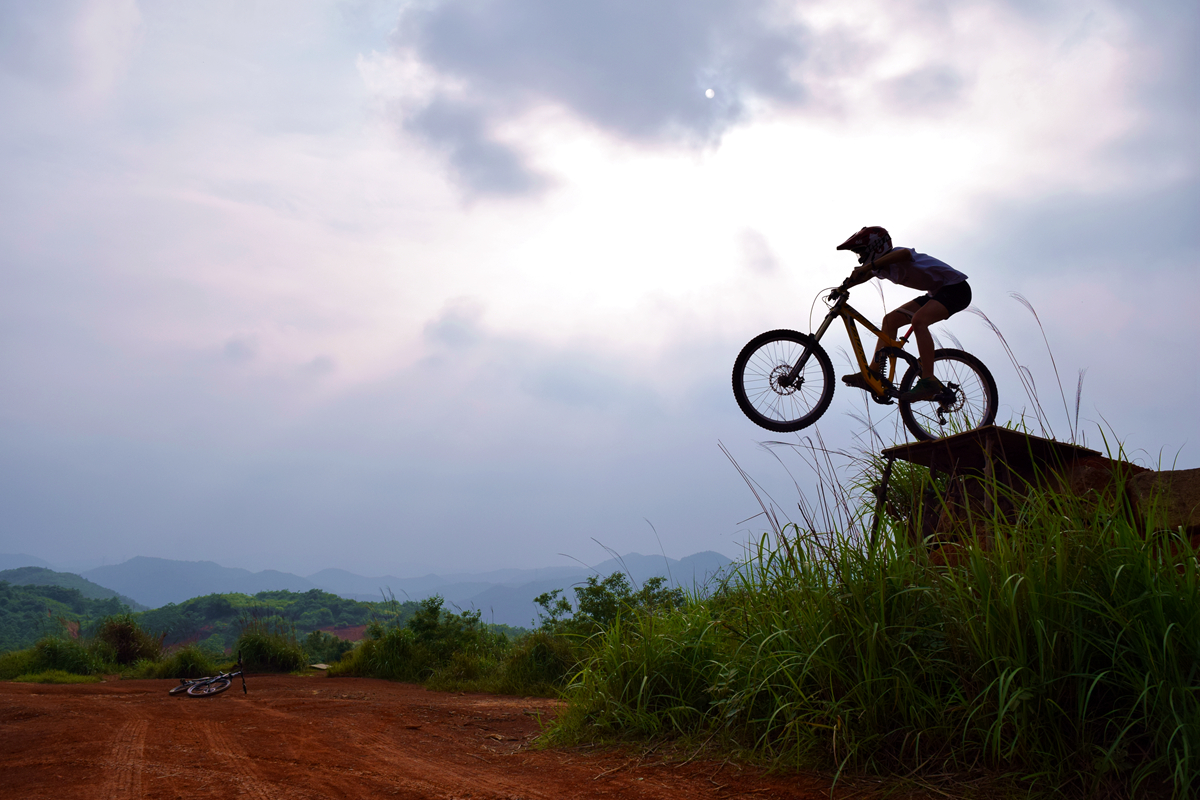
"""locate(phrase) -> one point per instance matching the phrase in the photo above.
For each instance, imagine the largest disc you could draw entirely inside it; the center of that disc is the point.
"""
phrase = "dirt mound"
(315, 737)
(351, 633)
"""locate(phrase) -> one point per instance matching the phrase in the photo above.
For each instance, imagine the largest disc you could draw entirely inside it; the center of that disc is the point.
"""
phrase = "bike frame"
(240, 672)
(850, 315)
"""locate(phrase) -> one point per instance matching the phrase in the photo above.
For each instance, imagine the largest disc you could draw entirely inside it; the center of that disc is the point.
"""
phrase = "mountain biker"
(946, 293)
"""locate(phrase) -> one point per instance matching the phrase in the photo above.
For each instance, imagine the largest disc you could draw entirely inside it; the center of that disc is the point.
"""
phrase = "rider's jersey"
(924, 273)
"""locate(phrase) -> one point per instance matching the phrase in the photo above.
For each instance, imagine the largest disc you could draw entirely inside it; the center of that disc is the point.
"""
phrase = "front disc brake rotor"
(780, 372)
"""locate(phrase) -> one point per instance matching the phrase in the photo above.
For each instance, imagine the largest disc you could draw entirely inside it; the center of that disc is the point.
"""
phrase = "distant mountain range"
(16, 560)
(504, 596)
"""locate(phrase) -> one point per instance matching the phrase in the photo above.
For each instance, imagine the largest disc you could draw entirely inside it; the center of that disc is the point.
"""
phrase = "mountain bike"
(207, 687)
(783, 380)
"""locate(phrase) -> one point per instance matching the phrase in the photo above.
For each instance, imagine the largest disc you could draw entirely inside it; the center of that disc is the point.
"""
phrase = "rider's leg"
(889, 327)
(892, 322)
(933, 311)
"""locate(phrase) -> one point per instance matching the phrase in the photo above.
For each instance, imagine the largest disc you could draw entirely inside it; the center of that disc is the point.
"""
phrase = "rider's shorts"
(954, 297)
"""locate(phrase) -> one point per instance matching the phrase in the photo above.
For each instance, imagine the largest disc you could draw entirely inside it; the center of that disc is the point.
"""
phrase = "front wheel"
(761, 387)
(209, 689)
(969, 401)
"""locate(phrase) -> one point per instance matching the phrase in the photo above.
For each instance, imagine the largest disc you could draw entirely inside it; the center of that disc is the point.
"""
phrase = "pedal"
(883, 401)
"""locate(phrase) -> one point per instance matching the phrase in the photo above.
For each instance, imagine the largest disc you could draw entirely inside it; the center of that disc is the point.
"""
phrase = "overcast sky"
(457, 284)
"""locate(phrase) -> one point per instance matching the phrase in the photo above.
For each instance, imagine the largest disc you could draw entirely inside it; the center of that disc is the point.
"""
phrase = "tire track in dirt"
(401, 773)
(233, 763)
(402, 770)
(125, 762)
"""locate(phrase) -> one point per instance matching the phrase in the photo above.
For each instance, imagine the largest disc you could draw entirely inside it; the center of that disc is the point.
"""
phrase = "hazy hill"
(504, 596)
(510, 604)
(17, 560)
(40, 576)
(158, 581)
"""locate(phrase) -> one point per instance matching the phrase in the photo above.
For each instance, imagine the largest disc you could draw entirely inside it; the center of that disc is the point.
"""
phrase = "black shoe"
(926, 389)
(856, 381)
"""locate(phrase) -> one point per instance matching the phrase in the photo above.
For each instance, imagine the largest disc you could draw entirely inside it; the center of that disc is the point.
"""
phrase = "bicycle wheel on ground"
(969, 401)
(208, 689)
(759, 374)
(180, 689)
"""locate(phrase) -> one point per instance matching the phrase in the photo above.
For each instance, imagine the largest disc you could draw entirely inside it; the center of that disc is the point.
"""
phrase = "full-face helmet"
(869, 243)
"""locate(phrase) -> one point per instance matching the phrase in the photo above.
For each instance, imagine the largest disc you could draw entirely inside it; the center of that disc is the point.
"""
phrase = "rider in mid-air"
(946, 293)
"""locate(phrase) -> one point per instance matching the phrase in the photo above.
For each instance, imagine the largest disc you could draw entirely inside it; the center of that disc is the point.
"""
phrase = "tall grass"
(1060, 648)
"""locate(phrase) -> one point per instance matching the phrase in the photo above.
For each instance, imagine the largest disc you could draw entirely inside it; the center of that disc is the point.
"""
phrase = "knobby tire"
(974, 406)
(755, 381)
(209, 689)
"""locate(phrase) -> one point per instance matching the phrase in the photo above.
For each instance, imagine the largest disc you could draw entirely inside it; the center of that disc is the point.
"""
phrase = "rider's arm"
(900, 255)
(859, 275)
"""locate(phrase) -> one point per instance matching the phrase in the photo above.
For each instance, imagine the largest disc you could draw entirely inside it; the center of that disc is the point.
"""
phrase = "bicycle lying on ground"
(207, 687)
(783, 380)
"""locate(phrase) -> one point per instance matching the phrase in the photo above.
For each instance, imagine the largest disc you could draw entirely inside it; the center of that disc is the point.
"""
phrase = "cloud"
(458, 326)
(757, 254)
(240, 349)
(636, 70)
(83, 46)
(932, 88)
(479, 161)
(1085, 233)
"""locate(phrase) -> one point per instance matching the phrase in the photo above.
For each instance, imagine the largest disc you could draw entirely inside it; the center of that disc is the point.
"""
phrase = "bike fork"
(794, 372)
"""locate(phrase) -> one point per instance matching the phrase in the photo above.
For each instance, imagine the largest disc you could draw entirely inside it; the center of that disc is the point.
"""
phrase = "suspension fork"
(794, 372)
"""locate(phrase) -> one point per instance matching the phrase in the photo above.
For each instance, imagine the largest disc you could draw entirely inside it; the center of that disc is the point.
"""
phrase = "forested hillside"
(30, 612)
(214, 621)
(41, 576)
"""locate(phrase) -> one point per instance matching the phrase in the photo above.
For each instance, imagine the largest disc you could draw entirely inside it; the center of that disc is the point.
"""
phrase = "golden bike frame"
(850, 315)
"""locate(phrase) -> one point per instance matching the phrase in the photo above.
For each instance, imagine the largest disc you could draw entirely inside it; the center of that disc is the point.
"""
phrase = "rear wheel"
(969, 401)
(208, 689)
(180, 689)
(760, 374)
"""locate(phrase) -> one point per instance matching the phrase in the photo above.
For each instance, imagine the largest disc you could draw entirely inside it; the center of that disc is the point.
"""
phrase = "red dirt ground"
(317, 737)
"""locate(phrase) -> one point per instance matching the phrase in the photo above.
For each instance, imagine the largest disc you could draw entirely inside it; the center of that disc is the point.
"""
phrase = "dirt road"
(313, 737)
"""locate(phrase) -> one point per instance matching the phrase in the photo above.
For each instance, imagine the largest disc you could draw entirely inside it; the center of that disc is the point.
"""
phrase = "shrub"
(390, 653)
(433, 642)
(462, 672)
(538, 664)
(17, 662)
(214, 645)
(67, 655)
(598, 603)
(125, 642)
(269, 645)
(189, 661)
(325, 648)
